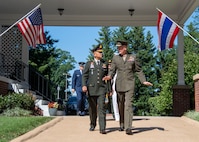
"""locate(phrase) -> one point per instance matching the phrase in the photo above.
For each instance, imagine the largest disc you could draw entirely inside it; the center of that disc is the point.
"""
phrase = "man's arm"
(85, 75)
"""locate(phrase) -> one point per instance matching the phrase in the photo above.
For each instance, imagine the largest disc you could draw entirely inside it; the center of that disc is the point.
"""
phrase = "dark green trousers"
(97, 107)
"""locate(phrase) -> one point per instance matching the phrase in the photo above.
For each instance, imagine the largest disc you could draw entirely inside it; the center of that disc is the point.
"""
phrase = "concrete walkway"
(145, 129)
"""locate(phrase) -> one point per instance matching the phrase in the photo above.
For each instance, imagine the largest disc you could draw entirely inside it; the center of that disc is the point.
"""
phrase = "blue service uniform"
(81, 96)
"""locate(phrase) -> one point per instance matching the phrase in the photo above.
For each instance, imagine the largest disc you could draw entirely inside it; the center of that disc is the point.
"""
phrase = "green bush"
(16, 112)
(13, 100)
(193, 115)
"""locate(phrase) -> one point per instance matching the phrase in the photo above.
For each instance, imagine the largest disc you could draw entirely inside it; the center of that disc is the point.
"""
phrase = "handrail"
(16, 70)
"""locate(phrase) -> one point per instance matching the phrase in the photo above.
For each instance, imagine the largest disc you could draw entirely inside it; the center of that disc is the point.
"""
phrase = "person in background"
(96, 88)
(126, 65)
(108, 100)
(114, 100)
(77, 86)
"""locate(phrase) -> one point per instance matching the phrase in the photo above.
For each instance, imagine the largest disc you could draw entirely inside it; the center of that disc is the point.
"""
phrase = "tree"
(52, 63)
(105, 38)
(63, 63)
(191, 55)
(121, 33)
(145, 50)
(40, 56)
(162, 104)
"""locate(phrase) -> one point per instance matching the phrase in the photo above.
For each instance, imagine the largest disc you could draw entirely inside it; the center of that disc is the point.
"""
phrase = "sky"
(77, 40)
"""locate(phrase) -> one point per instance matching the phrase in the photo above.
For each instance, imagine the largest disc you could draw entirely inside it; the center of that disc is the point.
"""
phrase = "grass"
(12, 127)
(193, 115)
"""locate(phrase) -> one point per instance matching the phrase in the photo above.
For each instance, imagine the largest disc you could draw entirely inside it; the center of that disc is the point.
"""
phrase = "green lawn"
(12, 127)
(193, 115)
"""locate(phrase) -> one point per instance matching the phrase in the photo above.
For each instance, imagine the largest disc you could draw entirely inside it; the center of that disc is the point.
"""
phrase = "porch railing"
(18, 70)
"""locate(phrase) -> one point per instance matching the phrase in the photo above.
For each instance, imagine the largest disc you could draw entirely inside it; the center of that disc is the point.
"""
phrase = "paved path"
(145, 129)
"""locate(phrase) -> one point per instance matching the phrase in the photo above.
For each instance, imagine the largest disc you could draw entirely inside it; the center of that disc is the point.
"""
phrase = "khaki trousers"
(125, 108)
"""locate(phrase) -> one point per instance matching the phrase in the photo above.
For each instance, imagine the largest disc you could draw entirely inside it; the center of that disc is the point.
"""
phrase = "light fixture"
(131, 11)
(61, 11)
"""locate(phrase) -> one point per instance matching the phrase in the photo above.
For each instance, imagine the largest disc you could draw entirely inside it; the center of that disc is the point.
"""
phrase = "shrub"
(193, 115)
(13, 100)
(16, 112)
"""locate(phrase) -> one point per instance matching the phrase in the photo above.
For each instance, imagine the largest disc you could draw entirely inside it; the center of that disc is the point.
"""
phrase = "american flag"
(32, 28)
(167, 31)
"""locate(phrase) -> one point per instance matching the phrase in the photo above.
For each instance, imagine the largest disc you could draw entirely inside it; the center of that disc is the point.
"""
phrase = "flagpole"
(20, 19)
(180, 27)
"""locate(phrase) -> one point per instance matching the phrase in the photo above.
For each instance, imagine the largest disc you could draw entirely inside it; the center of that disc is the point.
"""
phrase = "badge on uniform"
(131, 59)
(104, 66)
(92, 67)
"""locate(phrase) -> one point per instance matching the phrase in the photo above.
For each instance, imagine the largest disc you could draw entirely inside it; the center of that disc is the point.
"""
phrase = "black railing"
(40, 84)
(18, 70)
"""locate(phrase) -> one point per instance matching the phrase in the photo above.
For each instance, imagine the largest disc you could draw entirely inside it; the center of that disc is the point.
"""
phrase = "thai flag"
(167, 31)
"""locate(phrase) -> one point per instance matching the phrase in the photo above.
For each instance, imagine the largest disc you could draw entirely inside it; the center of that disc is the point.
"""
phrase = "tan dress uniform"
(125, 82)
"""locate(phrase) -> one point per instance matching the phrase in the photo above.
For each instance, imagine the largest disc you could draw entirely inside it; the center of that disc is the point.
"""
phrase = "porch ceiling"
(98, 12)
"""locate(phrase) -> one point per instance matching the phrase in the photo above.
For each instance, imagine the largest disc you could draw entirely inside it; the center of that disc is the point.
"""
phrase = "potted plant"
(61, 108)
(52, 107)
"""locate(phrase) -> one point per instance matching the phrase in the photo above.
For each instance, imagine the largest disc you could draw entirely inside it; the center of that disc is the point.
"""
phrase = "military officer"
(96, 88)
(77, 86)
(126, 65)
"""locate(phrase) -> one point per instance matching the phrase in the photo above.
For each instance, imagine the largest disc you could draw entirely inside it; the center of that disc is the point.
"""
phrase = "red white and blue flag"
(32, 28)
(167, 31)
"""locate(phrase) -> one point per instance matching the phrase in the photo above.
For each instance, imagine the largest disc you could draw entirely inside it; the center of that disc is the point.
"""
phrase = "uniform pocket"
(91, 85)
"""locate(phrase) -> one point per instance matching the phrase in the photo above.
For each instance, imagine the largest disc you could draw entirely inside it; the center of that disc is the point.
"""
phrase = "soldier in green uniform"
(126, 65)
(96, 88)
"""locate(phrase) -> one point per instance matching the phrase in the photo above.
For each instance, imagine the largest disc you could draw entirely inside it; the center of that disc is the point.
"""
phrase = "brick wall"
(181, 99)
(3, 88)
(196, 90)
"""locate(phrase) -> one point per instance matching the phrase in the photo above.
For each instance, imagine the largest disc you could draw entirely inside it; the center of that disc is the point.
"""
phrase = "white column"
(180, 58)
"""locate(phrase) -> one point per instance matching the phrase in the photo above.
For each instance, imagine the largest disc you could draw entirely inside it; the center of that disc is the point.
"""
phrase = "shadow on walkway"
(145, 129)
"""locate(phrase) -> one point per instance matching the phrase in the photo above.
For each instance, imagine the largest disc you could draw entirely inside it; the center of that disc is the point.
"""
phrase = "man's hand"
(147, 83)
(84, 88)
(73, 90)
(106, 78)
(111, 93)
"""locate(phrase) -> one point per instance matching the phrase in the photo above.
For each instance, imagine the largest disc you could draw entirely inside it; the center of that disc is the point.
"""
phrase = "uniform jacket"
(92, 78)
(126, 71)
(77, 80)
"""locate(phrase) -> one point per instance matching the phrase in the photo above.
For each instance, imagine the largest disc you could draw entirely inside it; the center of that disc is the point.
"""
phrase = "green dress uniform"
(97, 89)
(125, 82)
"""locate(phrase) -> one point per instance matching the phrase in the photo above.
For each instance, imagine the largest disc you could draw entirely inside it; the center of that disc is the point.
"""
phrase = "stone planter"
(52, 111)
(61, 113)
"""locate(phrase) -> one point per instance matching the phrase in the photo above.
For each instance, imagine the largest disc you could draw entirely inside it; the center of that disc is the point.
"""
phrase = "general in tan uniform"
(126, 65)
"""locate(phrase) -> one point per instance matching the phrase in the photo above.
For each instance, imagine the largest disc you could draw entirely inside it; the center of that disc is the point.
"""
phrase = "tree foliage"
(160, 68)
(52, 63)
(162, 104)
(141, 46)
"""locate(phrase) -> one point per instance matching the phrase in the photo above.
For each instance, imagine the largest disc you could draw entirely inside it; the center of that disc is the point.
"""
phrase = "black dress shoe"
(92, 128)
(121, 129)
(128, 131)
(102, 132)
